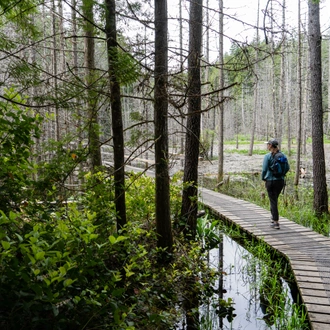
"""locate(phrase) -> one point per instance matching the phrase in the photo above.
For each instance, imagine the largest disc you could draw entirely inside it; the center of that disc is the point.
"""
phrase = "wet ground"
(236, 162)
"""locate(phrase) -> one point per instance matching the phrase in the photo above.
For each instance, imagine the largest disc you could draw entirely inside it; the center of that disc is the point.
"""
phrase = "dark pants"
(274, 188)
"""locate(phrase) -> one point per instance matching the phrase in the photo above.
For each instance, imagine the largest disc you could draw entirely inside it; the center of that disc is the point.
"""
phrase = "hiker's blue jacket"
(267, 174)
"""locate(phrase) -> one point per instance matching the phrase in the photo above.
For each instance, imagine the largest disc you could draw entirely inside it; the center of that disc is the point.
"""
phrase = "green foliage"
(5, 42)
(206, 142)
(64, 265)
(54, 171)
(61, 271)
(207, 234)
(24, 73)
(21, 14)
(18, 127)
(142, 203)
(239, 66)
(40, 262)
(99, 199)
(126, 69)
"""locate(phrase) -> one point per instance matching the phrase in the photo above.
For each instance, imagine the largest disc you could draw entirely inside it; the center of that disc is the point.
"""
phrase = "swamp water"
(241, 283)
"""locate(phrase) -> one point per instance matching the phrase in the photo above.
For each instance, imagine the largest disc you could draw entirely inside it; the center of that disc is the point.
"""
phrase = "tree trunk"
(299, 115)
(163, 216)
(273, 86)
(256, 94)
(116, 114)
(328, 110)
(290, 98)
(93, 134)
(282, 103)
(181, 70)
(319, 177)
(221, 105)
(54, 26)
(190, 177)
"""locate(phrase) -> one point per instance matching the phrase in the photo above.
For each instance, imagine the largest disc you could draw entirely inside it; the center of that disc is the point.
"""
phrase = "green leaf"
(55, 310)
(68, 282)
(19, 237)
(33, 261)
(114, 240)
(47, 281)
(36, 271)
(40, 255)
(121, 238)
(5, 245)
(33, 239)
(12, 216)
(57, 278)
(3, 219)
(62, 270)
(93, 236)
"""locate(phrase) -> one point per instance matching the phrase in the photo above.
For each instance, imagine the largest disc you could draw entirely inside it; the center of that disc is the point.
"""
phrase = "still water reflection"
(240, 283)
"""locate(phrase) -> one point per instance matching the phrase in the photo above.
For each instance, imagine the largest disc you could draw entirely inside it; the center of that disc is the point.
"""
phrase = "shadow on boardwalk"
(307, 251)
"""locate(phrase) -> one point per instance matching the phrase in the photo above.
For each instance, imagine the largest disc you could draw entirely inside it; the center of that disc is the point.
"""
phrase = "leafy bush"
(65, 266)
(61, 273)
(18, 128)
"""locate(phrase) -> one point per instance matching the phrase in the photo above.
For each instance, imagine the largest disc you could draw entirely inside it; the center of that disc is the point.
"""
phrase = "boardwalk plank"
(319, 326)
(314, 293)
(317, 304)
(320, 317)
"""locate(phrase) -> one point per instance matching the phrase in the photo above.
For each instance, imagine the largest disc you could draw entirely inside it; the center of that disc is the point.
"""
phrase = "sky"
(246, 10)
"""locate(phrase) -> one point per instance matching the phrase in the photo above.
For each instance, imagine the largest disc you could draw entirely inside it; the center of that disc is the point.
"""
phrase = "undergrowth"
(64, 266)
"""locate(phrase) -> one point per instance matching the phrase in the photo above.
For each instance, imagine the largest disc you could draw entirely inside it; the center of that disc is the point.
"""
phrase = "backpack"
(279, 165)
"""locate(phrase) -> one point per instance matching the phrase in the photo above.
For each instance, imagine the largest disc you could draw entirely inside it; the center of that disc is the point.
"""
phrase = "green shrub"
(18, 128)
(66, 267)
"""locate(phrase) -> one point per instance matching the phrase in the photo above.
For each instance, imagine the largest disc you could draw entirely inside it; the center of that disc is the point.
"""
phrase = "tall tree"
(116, 113)
(256, 88)
(190, 176)
(315, 68)
(299, 101)
(181, 68)
(163, 217)
(92, 105)
(272, 75)
(282, 98)
(221, 86)
(55, 68)
(328, 110)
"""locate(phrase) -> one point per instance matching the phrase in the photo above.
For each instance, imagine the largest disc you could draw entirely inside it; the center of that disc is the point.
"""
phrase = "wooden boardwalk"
(307, 252)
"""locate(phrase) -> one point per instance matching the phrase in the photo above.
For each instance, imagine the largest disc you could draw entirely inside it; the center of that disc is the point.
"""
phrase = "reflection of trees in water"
(204, 304)
(258, 291)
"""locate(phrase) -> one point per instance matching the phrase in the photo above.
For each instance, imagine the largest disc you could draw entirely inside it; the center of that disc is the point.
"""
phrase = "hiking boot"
(271, 220)
(275, 225)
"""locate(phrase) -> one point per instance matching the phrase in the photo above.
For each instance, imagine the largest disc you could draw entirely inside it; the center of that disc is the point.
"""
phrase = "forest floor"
(238, 162)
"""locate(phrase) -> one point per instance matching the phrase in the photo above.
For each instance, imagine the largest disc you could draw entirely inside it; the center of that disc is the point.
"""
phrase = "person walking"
(274, 184)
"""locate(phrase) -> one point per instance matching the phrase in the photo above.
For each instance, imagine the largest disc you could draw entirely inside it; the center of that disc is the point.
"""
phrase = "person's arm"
(264, 167)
